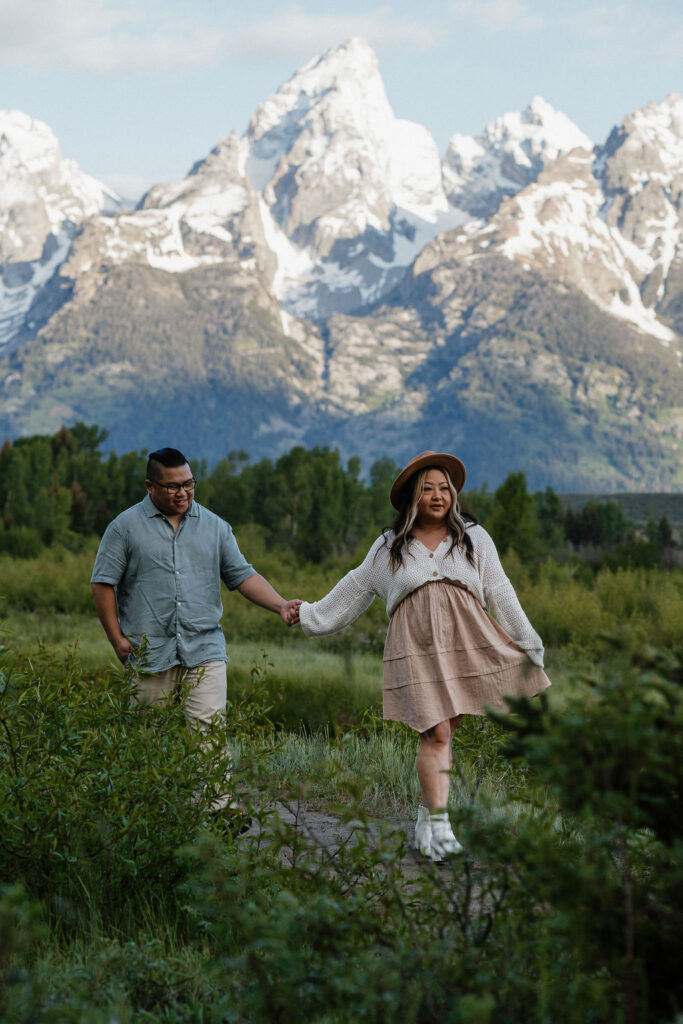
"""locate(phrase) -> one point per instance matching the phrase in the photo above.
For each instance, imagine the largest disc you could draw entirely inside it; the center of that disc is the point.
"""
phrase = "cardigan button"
(432, 555)
(435, 574)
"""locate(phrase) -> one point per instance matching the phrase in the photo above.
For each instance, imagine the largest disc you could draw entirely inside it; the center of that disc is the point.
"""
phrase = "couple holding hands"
(159, 568)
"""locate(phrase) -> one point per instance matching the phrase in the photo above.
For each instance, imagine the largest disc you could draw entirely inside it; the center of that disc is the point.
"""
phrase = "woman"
(444, 655)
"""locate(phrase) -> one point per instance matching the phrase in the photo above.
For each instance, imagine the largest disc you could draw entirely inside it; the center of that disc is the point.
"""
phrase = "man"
(156, 584)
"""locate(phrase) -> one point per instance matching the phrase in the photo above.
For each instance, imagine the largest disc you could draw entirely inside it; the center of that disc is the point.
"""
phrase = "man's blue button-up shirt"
(168, 583)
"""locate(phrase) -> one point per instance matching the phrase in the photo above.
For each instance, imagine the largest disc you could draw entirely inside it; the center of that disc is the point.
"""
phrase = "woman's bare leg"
(454, 723)
(433, 760)
(433, 833)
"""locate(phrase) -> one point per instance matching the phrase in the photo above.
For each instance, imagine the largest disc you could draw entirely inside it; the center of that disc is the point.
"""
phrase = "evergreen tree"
(513, 523)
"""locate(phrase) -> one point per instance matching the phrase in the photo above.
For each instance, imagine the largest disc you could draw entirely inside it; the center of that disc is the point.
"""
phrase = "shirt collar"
(150, 509)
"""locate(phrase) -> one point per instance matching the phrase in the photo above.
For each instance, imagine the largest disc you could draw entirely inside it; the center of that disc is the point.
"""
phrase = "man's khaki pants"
(205, 698)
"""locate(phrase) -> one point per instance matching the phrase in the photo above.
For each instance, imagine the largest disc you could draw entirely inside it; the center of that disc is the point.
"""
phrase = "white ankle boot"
(434, 836)
(443, 842)
(423, 831)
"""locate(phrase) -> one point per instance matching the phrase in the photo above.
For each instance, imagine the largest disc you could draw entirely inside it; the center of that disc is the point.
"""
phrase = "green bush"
(613, 886)
(564, 907)
(97, 794)
(57, 580)
(571, 606)
(21, 542)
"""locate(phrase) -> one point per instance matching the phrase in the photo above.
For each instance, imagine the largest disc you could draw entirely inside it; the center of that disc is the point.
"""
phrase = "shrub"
(57, 580)
(614, 887)
(97, 794)
(564, 907)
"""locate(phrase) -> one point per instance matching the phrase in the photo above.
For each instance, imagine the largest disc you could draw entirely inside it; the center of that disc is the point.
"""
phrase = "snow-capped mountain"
(211, 216)
(326, 278)
(331, 197)
(43, 198)
(341, 194)
(510, 153)
(349, 184)
(608, 221)
(640, 170)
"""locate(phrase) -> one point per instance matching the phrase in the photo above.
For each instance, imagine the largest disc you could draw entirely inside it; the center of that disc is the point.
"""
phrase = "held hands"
(289, 612)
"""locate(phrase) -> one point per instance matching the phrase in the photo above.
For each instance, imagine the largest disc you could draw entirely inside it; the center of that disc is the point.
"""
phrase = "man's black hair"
(167, 458)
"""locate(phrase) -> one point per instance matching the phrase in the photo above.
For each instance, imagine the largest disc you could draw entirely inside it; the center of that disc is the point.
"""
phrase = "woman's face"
(435, 499)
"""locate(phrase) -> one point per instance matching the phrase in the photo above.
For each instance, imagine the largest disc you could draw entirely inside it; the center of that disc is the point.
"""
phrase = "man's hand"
(105, 606)
(290, 612)
(122, 649)
(257, 589)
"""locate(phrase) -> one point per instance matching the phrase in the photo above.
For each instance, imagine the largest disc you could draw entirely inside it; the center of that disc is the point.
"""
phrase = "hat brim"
(441, 460)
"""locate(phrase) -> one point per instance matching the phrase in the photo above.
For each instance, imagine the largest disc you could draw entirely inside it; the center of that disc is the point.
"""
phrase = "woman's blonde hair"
(403, 524)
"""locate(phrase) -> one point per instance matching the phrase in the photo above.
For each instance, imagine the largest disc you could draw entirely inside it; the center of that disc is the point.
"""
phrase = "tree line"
(59, 489)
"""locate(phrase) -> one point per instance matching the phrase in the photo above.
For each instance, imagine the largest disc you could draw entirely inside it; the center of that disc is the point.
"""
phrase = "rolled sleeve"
(112, 557)
(234, 567)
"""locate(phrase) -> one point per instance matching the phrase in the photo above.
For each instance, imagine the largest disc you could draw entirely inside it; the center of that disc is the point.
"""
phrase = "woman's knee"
(439, 735)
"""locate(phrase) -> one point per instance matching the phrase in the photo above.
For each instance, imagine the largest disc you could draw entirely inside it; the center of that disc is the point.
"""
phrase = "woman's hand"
(289, 612)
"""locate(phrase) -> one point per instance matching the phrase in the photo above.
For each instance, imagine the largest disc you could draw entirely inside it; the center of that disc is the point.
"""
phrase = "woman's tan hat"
(456, 471)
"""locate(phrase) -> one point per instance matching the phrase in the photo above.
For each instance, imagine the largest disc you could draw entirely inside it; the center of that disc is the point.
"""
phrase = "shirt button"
(435, 574)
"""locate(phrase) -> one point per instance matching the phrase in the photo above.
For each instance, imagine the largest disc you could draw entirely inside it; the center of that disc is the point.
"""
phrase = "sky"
(137, 90)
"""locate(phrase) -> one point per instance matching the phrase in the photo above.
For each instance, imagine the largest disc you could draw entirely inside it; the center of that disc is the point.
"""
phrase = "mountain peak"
(42, 200)
(659, 124)
(539, 129)
(352, 59)
(40, 192)
(331, 159)
(355, 52)
(344, 81)
(509, 154)
(26, 146)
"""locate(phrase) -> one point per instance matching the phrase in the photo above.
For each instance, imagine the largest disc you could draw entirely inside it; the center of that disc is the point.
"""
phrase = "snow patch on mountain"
(159, 238)
(20, 284)
(294, 265)
(558, 222)
(641, 170)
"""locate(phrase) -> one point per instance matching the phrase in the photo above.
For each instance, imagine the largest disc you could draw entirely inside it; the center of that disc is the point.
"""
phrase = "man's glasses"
(186, 485)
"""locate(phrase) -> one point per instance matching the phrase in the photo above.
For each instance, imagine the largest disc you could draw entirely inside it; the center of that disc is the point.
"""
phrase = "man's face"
(171, 504)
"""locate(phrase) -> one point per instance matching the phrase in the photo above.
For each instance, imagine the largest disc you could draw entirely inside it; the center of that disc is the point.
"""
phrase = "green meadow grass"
(328, 747)
(311, 688)
(327, 709)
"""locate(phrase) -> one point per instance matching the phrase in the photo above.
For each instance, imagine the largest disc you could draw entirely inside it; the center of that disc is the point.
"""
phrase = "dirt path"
(328, 833)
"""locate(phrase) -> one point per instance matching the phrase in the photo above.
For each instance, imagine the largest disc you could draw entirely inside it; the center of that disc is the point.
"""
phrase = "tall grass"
(378, 762)
(569, 605)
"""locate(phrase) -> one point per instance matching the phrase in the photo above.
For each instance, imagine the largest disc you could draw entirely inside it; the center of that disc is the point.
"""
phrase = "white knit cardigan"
(485, 579)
